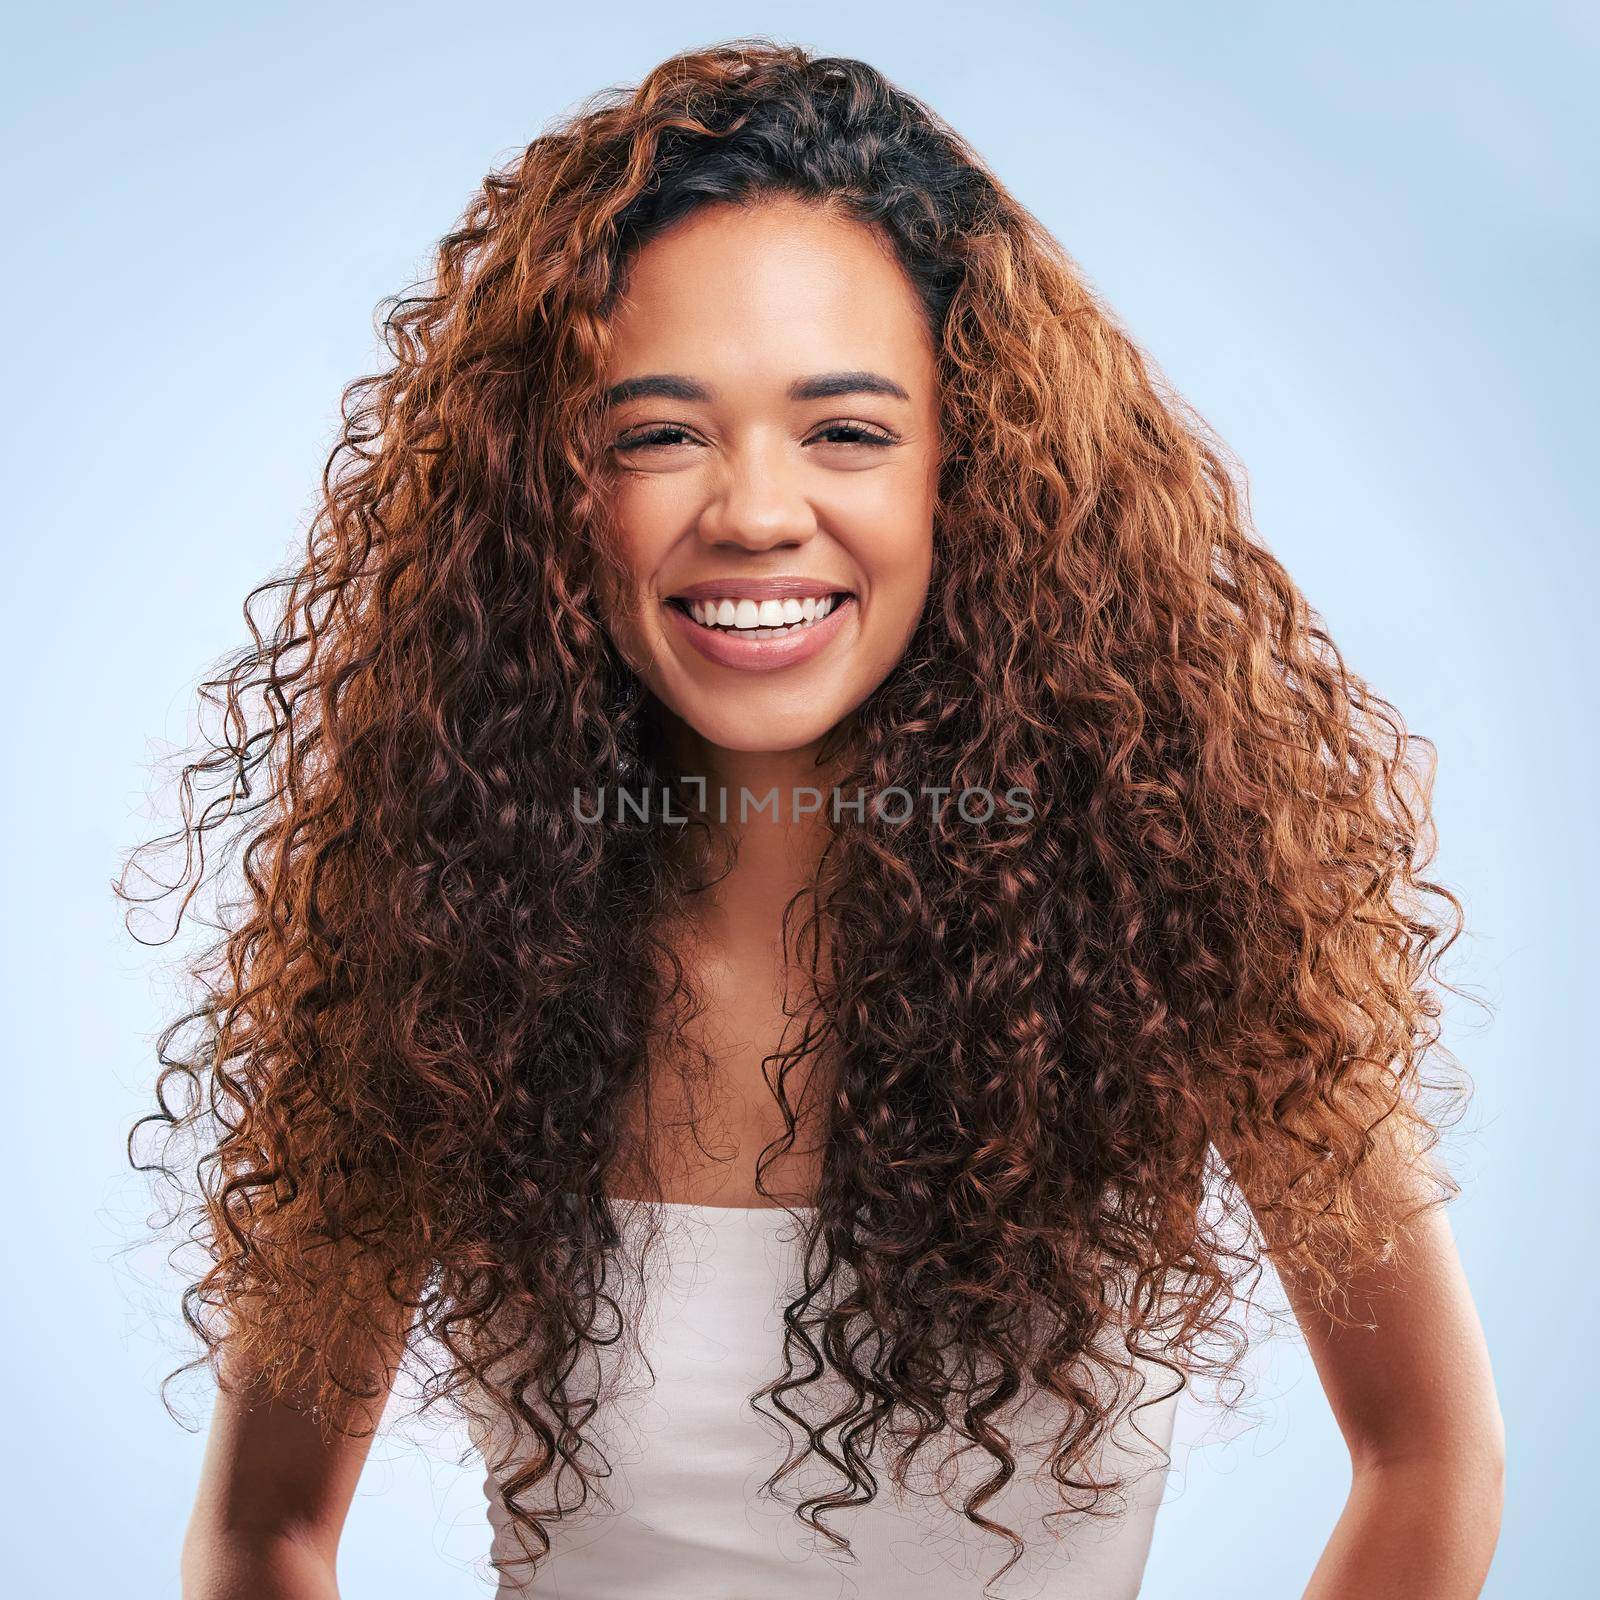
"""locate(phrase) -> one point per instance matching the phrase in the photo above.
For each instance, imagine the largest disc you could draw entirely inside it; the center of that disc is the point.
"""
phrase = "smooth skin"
(749, 480)
(274, 1496)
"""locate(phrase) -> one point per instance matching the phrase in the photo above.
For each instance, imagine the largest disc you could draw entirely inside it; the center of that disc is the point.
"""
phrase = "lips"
(727, 648)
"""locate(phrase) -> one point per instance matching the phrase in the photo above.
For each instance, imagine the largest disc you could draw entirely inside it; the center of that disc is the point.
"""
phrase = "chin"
(728, 729)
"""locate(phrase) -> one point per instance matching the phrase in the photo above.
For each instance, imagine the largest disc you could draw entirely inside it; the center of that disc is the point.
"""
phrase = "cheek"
(893, 540)
(642, 527)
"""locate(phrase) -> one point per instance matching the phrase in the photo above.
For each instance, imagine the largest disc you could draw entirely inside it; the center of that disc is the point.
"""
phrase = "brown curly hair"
(436, 986)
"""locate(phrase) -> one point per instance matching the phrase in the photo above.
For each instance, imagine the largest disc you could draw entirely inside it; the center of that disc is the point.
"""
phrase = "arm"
(272, 1500)
(1414, 1397)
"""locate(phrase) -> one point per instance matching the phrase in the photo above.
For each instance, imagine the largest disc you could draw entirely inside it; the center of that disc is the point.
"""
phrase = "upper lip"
(759, 589)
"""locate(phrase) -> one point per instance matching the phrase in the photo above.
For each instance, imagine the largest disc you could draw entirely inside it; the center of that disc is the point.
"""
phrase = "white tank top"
(681, 1516)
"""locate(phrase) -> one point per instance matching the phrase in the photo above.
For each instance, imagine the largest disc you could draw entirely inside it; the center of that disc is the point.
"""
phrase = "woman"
(783, 745)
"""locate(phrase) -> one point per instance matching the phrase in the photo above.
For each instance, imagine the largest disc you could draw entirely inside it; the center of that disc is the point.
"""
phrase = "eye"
(662, 434)
(857, 433)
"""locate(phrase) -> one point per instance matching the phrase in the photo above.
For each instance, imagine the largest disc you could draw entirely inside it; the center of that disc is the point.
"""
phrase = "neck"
(777, 805)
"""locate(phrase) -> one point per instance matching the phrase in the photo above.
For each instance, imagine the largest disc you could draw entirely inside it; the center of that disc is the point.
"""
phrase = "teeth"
(749, 615)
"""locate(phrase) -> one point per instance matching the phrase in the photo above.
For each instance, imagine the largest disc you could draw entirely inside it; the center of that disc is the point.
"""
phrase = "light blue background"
(1360, 238)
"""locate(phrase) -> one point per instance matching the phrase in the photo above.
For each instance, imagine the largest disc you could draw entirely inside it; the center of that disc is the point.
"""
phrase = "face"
(773, 425)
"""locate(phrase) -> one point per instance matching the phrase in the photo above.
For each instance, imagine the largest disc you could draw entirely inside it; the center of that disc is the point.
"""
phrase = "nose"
(757, 502)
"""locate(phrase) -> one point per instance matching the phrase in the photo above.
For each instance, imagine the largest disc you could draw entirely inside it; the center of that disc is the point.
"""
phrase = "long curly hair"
(436, 989)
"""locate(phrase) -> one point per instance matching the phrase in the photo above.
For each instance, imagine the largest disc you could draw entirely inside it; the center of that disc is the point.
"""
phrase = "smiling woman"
(754, 439)
(799, 459)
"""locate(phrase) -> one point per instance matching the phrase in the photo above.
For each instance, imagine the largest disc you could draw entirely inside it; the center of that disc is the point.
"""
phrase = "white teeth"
(750, 615)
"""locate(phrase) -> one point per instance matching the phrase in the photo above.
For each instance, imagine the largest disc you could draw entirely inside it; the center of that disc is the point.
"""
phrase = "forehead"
(776, 288)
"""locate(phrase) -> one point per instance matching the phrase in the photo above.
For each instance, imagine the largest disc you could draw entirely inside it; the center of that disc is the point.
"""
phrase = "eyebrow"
(823, 386)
